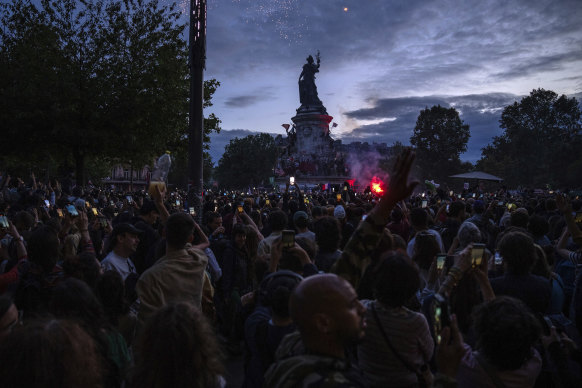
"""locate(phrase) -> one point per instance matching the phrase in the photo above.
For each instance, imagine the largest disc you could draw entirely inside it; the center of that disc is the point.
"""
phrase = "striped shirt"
(408, 333)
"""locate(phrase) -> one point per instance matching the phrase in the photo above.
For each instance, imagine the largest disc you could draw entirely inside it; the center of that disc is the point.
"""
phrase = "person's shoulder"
(313, 371)
(542, 281)
(107, 259)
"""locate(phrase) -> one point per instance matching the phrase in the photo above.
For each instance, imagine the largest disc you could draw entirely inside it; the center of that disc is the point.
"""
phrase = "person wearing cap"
(301, 220)
(123, 243)
(148, 216)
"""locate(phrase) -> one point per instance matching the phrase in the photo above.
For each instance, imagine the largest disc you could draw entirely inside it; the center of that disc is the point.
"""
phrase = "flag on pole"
(286, 126)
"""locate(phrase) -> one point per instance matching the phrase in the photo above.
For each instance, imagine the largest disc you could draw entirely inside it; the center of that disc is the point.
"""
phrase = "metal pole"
(197, 61)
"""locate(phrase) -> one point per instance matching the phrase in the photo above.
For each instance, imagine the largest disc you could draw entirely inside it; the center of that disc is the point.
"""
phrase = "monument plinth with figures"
(309, 152)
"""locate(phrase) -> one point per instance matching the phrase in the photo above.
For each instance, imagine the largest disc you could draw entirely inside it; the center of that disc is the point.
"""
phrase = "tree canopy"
(245, 161)
(440, 136)
(94, 81)
(540, 144)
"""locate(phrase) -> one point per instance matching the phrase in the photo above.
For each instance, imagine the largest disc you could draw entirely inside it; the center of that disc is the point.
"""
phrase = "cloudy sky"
(382, 61)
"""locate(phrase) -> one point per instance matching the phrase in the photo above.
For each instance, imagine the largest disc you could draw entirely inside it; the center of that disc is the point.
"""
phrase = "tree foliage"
(540, 144)
(440, 136)
(94, 80)
(245, 161)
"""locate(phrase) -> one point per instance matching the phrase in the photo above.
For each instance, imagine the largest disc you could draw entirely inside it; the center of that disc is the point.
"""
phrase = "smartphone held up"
(477, 254)
(288, 238)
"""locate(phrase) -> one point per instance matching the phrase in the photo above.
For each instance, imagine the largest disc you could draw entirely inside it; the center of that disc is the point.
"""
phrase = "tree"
(86, 80)
(247, 161)
(540, 144)
(440, 136)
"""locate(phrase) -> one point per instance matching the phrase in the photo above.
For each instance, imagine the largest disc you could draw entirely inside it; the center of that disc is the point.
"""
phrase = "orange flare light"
(377, 186)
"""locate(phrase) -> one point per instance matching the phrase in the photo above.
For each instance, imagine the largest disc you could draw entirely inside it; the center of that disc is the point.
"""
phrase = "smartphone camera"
(441, 316)
(498, 259)
(477, 254)
(47, 203)
(192, 211)
(288, 238)
(129, 199)
(4, 222)
(424, 204)
(72, 210)
(291, 180)
(441, 257)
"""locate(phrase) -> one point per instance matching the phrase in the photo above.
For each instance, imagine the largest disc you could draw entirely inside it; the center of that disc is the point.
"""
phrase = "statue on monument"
(307, 88)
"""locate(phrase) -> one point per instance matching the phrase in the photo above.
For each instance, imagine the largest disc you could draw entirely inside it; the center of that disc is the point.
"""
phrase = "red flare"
(377, 186)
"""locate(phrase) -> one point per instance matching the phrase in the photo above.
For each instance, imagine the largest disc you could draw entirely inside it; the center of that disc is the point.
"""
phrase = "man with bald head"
(330, 317)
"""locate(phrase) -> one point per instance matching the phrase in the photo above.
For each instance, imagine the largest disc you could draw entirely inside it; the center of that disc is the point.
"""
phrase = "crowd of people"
(103, 288)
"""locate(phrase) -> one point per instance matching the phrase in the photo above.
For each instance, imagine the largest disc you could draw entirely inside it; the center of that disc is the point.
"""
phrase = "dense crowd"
(105, 288)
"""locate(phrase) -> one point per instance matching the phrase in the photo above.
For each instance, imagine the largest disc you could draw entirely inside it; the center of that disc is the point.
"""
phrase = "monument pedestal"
(313, 139)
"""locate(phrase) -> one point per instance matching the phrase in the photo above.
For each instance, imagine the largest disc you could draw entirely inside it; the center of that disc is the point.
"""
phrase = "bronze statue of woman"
(307, 88)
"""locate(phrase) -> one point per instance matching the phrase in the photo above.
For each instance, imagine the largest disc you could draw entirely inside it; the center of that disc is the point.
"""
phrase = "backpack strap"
(377, 319)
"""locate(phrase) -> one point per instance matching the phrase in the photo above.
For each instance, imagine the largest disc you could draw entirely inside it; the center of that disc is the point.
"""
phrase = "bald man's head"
(326, 307)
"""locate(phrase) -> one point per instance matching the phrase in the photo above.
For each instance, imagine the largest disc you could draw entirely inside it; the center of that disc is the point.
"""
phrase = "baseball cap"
(123, 228)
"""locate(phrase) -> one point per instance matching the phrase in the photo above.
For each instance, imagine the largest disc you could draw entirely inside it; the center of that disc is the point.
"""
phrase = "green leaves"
(245, 161)
(103, 80)
(540, 144)
(440, 136)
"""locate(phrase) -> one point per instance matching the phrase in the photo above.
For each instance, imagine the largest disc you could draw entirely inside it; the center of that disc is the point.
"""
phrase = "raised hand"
(400, 187)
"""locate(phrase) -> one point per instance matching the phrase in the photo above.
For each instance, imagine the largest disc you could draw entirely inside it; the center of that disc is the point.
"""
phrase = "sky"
(382, 61)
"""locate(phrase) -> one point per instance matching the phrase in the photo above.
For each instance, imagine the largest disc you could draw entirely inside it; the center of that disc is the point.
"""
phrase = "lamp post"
(197, 62)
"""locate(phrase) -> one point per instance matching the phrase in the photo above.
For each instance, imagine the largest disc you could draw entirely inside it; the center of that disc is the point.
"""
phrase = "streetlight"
(197, 55)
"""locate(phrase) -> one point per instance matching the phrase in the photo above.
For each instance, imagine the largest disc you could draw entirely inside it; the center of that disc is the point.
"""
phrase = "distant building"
(123, 177)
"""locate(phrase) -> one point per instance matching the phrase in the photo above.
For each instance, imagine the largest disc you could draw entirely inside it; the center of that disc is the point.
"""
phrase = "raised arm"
(158, 198)
(356, 255)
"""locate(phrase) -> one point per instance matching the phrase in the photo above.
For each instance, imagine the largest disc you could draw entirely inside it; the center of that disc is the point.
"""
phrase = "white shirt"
(123, 265)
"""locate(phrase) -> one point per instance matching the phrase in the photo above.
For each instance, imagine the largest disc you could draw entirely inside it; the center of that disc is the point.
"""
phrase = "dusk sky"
(384, 61)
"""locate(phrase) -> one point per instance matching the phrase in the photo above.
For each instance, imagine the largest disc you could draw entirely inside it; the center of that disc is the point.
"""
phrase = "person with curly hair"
(177, 348)
(50, 353)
